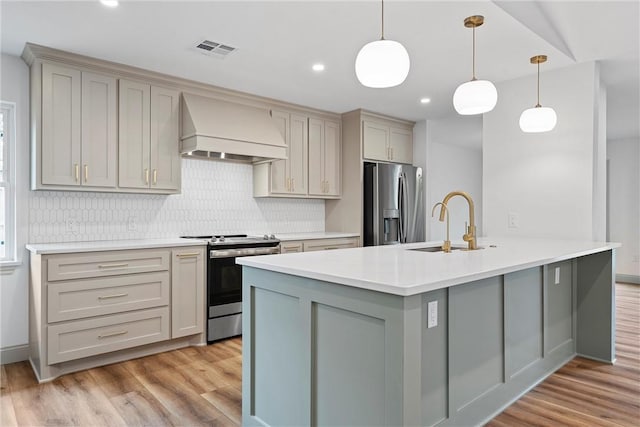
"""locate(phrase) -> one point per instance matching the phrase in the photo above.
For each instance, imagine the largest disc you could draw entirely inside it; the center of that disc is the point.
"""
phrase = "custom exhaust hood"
(217, 129)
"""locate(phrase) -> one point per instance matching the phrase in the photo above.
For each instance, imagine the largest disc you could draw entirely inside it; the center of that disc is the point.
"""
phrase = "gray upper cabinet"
(78, 140)
(148, 137)
(385, 142)
(324, 158)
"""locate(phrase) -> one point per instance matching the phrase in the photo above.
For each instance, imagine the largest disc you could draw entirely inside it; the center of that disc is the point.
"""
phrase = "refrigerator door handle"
(402, 207)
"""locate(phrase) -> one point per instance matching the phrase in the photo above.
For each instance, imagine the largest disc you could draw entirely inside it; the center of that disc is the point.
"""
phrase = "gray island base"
(325, 353)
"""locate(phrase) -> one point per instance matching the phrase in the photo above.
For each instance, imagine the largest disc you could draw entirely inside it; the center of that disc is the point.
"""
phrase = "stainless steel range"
(224, 279)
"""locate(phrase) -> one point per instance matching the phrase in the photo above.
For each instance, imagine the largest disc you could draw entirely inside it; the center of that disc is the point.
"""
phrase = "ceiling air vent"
(220, 50)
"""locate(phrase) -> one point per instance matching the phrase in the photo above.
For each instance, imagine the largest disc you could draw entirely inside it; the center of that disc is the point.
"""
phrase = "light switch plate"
(513, 220)
(432, 314)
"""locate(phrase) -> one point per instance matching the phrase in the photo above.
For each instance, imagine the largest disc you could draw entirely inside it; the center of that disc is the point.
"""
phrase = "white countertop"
(109, 245)
(286, 237)
(399, 271)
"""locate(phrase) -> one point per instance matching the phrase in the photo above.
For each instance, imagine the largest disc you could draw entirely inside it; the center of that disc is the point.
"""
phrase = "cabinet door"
(134, 135)
(165, 154)
(316, 157)
(187, 291)
(61, 102)
(279, 171)
(99, 131)
(298, 154)
(332, 158)
(401, 145)
(375, 141)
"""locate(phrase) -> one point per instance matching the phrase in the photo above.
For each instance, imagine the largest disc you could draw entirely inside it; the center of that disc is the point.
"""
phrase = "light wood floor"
(202, 386)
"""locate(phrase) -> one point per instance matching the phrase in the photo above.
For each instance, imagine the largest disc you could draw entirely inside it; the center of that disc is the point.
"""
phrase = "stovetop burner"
(237, 240)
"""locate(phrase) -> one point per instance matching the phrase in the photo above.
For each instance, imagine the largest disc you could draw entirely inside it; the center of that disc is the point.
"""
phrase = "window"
(7, 184)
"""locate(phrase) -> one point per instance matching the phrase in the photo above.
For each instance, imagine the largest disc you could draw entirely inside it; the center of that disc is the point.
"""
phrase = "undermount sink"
(439, 249)
(434, 249)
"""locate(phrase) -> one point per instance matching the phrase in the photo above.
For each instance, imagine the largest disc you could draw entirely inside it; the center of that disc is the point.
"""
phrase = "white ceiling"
(278, 41)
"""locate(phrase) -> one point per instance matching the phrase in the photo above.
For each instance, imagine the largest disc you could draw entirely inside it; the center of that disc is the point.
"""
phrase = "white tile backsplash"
(216, 198)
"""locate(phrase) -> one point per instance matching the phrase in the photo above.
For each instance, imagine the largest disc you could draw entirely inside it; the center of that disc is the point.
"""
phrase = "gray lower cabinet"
(319, 353)
(93, 308)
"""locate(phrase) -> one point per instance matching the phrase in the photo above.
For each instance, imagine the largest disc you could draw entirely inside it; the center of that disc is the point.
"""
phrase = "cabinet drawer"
(83, 338)
(84, 265)
(289, 247)
(326, 244)
(94, 297)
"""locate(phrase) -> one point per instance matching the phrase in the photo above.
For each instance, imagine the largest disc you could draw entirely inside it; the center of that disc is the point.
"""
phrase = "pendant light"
(538, 118)
(382, 63)
(475, 96)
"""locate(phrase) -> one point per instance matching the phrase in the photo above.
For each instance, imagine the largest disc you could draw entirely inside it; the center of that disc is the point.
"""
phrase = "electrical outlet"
(557, 278)
(131, 224)
(513, 220)
(432, 314)
(71, 226)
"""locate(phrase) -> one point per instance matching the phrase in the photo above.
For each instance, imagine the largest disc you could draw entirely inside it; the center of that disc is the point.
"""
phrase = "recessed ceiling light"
(318, 67)
(109, 3)
(425, 100)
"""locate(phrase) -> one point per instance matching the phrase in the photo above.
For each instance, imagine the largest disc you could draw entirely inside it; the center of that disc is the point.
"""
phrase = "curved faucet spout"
(470, 235)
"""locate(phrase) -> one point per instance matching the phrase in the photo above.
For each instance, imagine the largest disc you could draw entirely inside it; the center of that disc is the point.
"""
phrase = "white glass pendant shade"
(538, 119)
(382, 63)
(475, 97)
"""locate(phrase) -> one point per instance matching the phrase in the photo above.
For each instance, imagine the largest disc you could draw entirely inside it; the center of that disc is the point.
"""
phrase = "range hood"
(217, 129)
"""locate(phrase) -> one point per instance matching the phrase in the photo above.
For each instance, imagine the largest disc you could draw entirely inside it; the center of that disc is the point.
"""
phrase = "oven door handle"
(234, 253)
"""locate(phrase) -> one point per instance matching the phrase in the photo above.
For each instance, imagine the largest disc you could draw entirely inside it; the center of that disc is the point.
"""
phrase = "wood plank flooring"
(202, 386)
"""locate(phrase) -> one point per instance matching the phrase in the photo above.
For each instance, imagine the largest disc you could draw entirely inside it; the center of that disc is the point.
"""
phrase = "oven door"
(225, 276)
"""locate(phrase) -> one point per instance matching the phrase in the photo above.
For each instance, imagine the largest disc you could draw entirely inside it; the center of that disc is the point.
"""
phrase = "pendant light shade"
(382, 63)
(538, 118)
(475, 96)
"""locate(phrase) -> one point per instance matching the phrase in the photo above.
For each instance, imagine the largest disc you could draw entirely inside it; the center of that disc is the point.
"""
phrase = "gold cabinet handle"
(293, 184)
(122, 265)
(111, 334)
(113, 296)
(86, 173)
(146, 176)
(391, 153)
(77, 172)
(328, 248)
(155, 176)
(288, 248)
(188, 255)
(288, 184)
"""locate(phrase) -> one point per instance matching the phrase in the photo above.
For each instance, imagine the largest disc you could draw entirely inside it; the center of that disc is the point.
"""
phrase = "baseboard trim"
(14, 354)
(628, 278)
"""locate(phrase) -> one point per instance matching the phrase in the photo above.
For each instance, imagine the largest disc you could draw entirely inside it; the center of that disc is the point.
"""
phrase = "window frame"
(8, 181)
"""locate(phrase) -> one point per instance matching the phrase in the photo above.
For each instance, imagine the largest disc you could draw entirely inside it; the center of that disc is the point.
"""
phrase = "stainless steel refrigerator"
(394, 204)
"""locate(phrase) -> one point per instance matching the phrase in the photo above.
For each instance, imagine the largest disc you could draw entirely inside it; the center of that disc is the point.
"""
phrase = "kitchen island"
(396, 335)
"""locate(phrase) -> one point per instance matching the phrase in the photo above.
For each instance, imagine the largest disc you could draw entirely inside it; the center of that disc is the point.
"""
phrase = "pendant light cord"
(382, 37)
(473, 61)
(538, 104)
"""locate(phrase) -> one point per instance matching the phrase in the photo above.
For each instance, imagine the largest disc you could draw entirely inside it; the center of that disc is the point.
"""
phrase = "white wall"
(454, 162)
(14, 293)
(546, 179)
(216, 198)
(624, 203)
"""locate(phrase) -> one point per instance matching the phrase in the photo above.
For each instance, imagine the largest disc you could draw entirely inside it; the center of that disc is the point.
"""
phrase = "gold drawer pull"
(123, 265)
(146, 176)
(155, 176)
(112, 296)
(112, 334)
(76, 168)
(331, 247)
(291, 247)
(188, 255)
(86, 173)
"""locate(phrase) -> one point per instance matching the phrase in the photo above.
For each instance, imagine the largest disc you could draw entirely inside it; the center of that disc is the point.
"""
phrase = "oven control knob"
(214, 239)
(221, 239)
(272, 237)
(265, 237)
